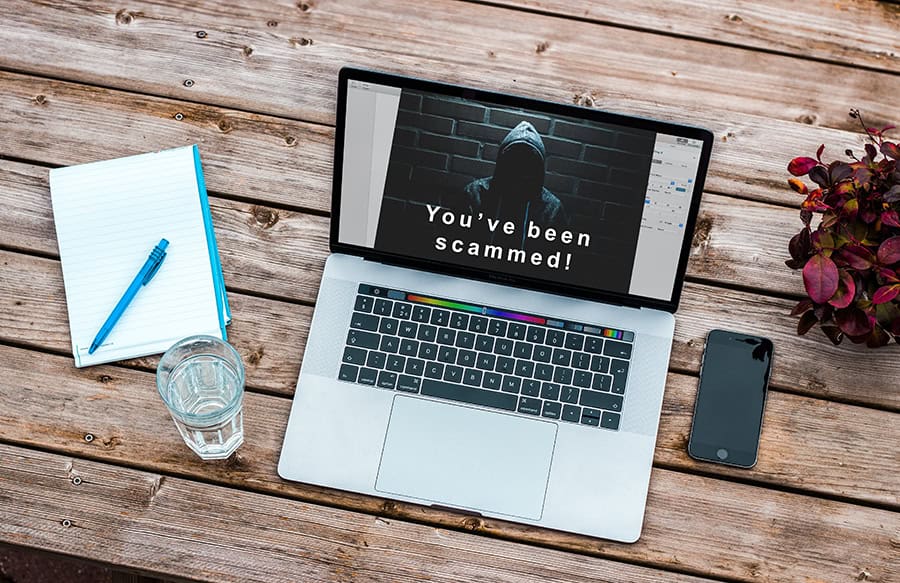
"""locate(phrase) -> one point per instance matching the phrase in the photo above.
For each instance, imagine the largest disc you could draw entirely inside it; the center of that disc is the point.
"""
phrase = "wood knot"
(40, 99)
(236, 461)
(584, 99)
(305, 5)
(224, 126)
(272, 23)
(492, 54)
(125, 17)
(301, 42)
(18, 302)
(105, 378)
(111, 442)
(290, 140)
(264, 217)
(733, 18)
(541, 47)
(247, 51)
(388, 507)
(807, 118)
(473, 523)
(727, 135)
(701, 232)
(256, 356)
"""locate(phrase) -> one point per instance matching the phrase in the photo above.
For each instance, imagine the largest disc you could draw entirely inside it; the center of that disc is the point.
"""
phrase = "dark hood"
(524, 133)
(519, 169)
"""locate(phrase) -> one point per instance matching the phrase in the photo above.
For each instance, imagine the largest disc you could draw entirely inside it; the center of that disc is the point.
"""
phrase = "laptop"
(493, 327)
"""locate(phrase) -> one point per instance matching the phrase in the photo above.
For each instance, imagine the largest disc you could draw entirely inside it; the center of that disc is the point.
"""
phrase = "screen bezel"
(347, 74)
(707, 451)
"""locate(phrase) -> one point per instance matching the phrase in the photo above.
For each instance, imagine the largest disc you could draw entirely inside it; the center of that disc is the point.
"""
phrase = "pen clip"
(160, 255)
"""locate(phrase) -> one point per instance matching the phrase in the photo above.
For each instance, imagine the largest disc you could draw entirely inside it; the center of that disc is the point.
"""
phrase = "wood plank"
(512, 50)
(262, 261)
(860, 33)
(770, 535)
(178, 528)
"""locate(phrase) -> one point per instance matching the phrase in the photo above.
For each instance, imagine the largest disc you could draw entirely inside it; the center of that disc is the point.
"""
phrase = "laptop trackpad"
(463, 457)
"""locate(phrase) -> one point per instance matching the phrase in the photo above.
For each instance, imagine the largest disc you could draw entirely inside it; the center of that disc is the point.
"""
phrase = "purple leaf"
(834, 334)
(801, 165)
(857, 256)
(818, 175)
(819, 152)
(889, 217)
(839, 171)
(853, 322)
(820, 277)
(889, 251)
(803, 306)
(845, 293)
(799, 245)
(871, 152)
(891, 150)
(807, 321)
(892, 195)
(885, 294)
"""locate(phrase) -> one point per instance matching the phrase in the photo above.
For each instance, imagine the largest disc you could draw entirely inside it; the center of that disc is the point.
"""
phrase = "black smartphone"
(728, 412)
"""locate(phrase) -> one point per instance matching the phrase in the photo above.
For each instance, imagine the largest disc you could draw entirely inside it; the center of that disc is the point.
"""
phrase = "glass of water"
(201, 381)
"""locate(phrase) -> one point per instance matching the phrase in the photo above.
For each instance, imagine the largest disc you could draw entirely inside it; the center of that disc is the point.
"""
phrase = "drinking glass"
(201, 381)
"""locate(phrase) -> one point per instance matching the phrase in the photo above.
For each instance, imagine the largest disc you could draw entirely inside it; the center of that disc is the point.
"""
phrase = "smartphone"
(731, 398)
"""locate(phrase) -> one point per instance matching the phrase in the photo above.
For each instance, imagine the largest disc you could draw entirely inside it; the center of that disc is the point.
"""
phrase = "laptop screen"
(466, 181)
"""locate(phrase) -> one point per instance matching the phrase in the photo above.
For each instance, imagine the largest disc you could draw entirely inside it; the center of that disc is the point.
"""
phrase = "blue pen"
(151, 266)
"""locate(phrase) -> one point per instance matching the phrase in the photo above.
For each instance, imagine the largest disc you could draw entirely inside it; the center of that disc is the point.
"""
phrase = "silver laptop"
(493, 327)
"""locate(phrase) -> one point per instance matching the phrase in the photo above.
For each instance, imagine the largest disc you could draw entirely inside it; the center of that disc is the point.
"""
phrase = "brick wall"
(442, 143)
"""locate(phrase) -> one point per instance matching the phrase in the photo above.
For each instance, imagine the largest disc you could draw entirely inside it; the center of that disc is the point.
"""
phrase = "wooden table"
(90, 463)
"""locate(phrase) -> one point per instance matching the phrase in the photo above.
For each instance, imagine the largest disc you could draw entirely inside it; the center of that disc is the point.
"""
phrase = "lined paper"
(109, 216)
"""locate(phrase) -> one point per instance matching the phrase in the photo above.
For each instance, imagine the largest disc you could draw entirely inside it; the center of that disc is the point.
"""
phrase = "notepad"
(109, 215)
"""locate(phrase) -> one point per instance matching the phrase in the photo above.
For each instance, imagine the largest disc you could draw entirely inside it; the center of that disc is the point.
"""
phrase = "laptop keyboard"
(472, 354)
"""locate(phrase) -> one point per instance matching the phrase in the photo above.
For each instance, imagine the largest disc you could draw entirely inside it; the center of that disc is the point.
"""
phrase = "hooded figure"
(516, 190)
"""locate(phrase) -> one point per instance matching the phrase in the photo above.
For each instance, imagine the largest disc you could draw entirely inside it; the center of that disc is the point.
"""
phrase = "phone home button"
(722, 453)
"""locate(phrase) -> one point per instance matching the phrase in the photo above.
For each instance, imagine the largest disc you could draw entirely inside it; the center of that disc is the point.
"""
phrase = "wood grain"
(130, 425)
(858, 32)
(177, 528)
(292, 64)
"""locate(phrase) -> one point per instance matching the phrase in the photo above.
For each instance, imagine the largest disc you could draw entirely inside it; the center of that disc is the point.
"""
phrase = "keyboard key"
(594, 345)
(376, 359)
(601, 400)
(618, 384)
(529, 406)
(387, 380)
(617, 349)
(453, 373)
(459, 321)
(440, 317)
(402, 310)
(582, 379)
(588, 420)
(491, 380)
(409, 347)
(447, 354)
(465, 339)
(388, 326)
(516, 331)
(562, 375)
(574, 341)
(363, 339)
(408, 384)
(511, 384)
(543, 372)
(600, 363)
(484, 343)
(472, 377)
(531, 388)
(367, 376)
(522, 350)
(628, 336)
(364, 304)
(427, 333)
(415, 366)
(551, 410)
(383, 307)
(542, 353)
(524, 368)
(569, 395)
(434, 370)
(601, 382)
(610, 420)
(618, 367)
(590, 412)
(446, 336)
(571, 413)
(550, 391)
(408, 329)
(485, 361)
(428, 351)
(562, 357)
(421, 314)
(364, 322)
(497, 327)
(466, 358)
(463, 394)
(503, 346)
(581, 360)
(556, 338)
(354, 355)
(395, 363)
(390, 344)
(505, 365)
(478, 324)
(348, 372)
(536, 334)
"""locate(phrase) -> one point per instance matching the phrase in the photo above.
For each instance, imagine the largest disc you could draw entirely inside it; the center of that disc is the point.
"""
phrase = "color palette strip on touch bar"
(624, 335)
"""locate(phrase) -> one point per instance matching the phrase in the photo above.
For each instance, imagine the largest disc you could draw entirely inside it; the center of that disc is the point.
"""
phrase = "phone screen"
(730, 399)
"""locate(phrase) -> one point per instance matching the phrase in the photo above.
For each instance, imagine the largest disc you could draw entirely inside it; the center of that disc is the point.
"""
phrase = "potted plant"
(851, 259)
